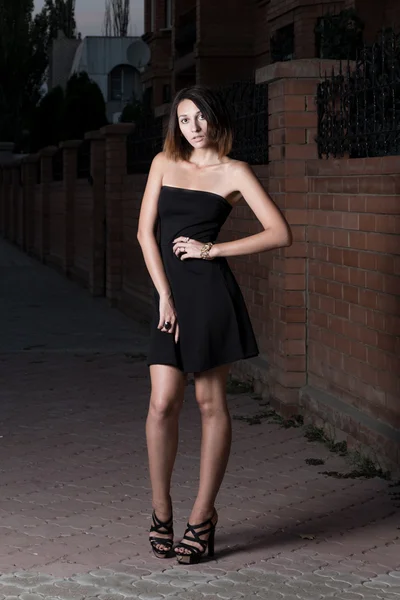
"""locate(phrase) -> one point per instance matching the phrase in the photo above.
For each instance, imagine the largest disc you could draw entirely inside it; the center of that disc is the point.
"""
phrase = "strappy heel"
(196, 531)
(163, 528)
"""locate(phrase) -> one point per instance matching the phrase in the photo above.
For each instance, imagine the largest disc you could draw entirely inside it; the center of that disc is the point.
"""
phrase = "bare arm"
(276, 232)
(147, 240)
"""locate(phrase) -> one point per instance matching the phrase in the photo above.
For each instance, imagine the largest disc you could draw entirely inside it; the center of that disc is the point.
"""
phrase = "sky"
(89, 15)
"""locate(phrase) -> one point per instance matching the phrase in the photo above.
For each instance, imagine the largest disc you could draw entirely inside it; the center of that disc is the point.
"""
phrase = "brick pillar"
(29, 182)
(5, 209)
(46, 156)
(2, 195)
(292, 130)
(116, 158)
(15, 207)
(97, 275)
(70, 157)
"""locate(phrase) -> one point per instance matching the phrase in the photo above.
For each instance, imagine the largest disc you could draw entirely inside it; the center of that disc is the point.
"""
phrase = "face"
(192, 124)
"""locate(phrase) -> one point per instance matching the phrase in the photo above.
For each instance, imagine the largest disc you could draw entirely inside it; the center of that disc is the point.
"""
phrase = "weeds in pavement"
(363, 465)
(271, 416)
(234, 386)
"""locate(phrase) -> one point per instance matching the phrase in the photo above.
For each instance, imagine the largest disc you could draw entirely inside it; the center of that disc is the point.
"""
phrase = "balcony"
(186, 33)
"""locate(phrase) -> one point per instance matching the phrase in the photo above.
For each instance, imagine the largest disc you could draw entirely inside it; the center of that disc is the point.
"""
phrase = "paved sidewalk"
(75, 498)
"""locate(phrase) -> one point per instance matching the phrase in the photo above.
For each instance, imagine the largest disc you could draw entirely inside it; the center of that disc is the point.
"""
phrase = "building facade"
(204, 41)
(114, 63)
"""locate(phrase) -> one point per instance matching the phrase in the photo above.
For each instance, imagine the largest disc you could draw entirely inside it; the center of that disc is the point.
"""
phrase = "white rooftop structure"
(114, 63)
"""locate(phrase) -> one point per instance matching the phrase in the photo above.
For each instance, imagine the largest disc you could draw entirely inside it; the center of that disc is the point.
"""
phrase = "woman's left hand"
(184, 247)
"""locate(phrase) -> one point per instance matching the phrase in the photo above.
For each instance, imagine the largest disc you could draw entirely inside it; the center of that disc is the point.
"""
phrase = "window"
(168, 14)
(121, 83)
(282, 44)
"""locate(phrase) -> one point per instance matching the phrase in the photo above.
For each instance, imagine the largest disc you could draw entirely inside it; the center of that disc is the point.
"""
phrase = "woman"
(201, 325)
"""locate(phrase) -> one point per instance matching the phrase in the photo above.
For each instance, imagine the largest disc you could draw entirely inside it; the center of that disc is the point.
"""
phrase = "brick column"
(15, 207)
(97, 275)
(29, 182)
(292, 130)
(70, 157)
(5, 209)
(2, 194)
(115, 150)
(46, 174)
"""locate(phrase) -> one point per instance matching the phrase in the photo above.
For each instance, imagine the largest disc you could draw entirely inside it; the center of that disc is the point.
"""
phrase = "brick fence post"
(29, 181)
(15, 206)
(97, 275)
(46, 177)
(70, 158)
(5, 208)
(292, 129)
(116, 168)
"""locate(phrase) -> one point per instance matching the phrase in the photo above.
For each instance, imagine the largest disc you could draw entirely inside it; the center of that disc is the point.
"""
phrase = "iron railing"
(144, 143)
(359, 107)
(247, 103)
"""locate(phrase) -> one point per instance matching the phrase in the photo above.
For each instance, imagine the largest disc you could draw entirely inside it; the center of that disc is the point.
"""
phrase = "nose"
(195, 126)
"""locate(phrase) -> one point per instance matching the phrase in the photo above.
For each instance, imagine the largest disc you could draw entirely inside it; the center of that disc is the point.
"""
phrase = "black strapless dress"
(214, 325)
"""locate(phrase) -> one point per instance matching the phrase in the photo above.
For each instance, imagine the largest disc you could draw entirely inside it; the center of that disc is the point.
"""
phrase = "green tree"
(84, 107)
(47, 123)
(58, 15)
(22, 66)
(132, 112)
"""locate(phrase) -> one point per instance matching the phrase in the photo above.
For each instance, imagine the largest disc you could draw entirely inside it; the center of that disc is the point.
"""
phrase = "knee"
(164, 407)
(207, 404)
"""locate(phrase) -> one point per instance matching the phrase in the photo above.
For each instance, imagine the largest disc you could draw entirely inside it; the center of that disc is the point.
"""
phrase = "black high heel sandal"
(195, 553)
(164, 528)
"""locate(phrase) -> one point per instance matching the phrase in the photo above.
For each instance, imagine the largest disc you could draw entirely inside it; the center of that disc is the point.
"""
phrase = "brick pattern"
(353, 283)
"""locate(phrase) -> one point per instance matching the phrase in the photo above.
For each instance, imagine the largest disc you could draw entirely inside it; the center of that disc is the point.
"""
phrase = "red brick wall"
(82, 230)
(37, 222)
(56, 223)
(354, 283)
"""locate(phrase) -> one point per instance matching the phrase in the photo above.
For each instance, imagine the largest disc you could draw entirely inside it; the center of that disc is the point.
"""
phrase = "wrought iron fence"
(83, 160)
(359, 107)
(58, 165)
(144, 143)
(247, 103)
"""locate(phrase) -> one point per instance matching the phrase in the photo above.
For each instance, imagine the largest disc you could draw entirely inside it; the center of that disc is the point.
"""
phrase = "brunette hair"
(219, 127)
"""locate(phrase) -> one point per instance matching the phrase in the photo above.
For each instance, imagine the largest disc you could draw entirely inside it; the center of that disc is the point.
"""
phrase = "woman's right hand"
(168, 314)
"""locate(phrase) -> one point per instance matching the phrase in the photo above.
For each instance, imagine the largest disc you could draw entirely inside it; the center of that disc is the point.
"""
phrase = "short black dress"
(214, 325)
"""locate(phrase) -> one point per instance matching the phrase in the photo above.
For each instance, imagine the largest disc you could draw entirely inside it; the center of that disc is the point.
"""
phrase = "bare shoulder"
(159, 160)
(239, 171)
(160, 164)
(238, 168)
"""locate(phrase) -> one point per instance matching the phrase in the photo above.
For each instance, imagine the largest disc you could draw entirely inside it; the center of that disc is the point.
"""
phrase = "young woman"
(201, 324)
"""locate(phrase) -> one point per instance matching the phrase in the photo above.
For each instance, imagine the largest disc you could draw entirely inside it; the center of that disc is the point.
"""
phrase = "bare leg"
(215, 443)
(167, 391)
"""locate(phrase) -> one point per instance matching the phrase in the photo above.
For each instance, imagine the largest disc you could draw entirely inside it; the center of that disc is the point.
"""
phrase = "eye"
(201, 117)
(184, 121)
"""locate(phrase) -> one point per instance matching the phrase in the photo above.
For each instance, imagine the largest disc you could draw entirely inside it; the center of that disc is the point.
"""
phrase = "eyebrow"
(185, 115)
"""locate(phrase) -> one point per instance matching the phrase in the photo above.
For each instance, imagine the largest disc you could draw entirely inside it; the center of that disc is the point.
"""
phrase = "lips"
(198, 138)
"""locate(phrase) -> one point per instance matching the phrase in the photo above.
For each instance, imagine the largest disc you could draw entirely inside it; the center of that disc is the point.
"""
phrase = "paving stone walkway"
(75, 497)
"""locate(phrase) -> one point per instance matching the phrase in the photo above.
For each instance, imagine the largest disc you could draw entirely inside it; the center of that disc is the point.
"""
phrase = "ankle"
(163, 508)
(201, 514)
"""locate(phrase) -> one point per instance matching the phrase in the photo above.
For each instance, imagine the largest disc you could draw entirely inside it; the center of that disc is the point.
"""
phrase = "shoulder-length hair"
(213, 109)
